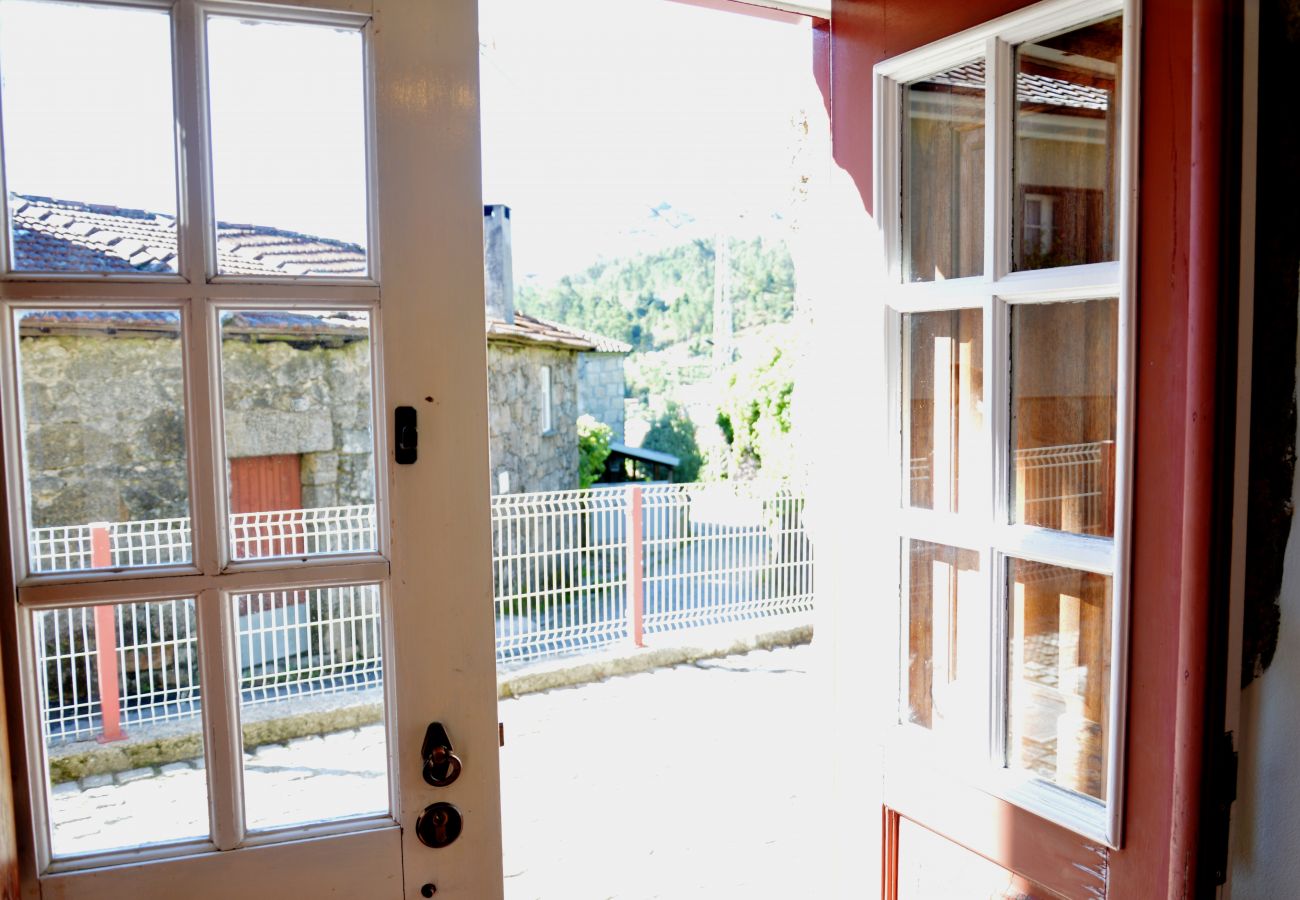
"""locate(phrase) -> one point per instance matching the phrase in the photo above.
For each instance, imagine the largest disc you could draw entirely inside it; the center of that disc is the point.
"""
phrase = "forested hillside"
(657, 300)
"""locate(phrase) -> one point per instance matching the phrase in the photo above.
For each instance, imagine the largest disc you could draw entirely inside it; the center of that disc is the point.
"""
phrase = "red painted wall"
(1158, 816)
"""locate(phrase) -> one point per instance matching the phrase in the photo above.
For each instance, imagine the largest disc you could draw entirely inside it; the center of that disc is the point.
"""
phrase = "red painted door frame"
(1178, 304)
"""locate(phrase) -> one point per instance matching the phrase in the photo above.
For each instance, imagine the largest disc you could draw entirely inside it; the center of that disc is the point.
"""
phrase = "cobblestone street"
(679, 783)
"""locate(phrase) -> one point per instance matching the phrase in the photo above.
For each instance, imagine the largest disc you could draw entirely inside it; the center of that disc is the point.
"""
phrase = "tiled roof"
(68, 236)
(336, 326)
(600, 342)
(1032, 89)
(529, 330)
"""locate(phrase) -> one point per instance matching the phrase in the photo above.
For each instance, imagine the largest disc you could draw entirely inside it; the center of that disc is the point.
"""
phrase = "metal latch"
(406, 437)
(441, 765)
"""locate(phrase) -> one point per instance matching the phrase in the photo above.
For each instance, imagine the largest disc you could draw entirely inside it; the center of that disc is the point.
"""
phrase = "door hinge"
(1223, 788)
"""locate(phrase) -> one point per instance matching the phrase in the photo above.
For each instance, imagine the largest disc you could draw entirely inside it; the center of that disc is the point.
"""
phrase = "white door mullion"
(273, 575)
(996, 152)
(188, 79)
(200, 369)
(998, 626)
(223, 737)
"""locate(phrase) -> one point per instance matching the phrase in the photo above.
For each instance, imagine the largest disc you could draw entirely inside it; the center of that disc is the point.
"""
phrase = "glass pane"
(89, 137)
(943, 408)
(297, 391)
(1064, 359)
(103, 406)
(312, 687)
(944, 588)
(1067, 147)
(287, 107)
(943, 172)
(120, 708)
(1059, 678)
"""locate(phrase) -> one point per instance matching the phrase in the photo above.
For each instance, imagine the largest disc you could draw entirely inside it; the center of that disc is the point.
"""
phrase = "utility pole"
(723, 349)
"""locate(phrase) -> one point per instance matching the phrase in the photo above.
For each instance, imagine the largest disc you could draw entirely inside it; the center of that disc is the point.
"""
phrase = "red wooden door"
(941, 835)
(267, 484)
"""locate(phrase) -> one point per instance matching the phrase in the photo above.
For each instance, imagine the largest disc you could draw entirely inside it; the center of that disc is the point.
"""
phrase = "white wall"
(1265, 861)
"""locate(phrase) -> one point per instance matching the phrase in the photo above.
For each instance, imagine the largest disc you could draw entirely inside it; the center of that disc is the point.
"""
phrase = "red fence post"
(110, 690)
(635, 569)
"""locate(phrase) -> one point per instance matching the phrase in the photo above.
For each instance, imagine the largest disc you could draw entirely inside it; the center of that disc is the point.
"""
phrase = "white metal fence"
(572, 570)
(584, 569)
(1070, 487)
(160, 542)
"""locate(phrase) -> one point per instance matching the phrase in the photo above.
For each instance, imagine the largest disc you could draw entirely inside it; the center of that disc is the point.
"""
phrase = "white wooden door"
(237, 230)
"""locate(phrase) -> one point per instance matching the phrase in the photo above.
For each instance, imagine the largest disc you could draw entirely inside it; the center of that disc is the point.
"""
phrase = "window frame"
(196, 249)
(548, 400)
(987, 529)
(213, 577)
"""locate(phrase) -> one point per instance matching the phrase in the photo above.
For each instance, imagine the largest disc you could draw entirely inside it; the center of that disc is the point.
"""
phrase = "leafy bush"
(755, 418)
(593, 449)
(674, 432)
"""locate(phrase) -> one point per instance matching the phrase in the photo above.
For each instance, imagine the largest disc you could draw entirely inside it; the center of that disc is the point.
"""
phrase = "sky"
(595, 112)
(609, 126)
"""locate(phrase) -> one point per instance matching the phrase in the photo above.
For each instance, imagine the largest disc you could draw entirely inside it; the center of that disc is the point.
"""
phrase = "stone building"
(103, 392)
(104, 425)
(541, 377)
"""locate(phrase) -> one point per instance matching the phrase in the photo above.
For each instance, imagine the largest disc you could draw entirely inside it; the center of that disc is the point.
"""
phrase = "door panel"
(364, 296)
(310, 867)
(1161, 781)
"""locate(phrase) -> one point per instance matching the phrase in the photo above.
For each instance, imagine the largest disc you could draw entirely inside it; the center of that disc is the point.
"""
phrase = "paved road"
(679, 784)
(683, 784)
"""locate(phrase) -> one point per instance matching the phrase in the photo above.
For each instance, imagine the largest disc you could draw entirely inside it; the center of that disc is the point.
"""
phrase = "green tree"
(755, 418)
(593, 449)
(658, 299)
(674, 432)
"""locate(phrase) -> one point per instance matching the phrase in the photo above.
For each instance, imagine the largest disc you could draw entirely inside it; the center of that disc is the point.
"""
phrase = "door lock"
(441, 765)
(439, 825)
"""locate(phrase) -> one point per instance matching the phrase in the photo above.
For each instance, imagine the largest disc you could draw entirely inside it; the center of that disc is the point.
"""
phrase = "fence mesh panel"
(562, 583)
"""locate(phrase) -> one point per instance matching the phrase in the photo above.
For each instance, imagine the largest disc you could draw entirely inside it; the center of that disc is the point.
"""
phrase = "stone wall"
(105, 435)
(516, 444)
(309, 399)
(601, 387)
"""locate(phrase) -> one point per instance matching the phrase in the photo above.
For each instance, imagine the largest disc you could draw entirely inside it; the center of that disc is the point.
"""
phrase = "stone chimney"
(498, 269)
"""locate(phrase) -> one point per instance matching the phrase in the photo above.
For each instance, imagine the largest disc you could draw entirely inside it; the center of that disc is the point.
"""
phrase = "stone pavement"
(679, 783)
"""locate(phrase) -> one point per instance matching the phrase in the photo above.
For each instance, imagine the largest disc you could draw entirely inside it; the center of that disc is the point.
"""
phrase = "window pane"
(103, 406)
(288, 147)
(1067, 147)
(1059, 678)
(89, 137)
(944, 588)
(312, 683)
(943, 405)
(1064, 359)
(120, 709)
(297, 394)
(943, 189)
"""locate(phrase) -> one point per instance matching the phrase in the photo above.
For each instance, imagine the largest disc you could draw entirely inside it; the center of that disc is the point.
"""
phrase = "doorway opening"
(647, 173)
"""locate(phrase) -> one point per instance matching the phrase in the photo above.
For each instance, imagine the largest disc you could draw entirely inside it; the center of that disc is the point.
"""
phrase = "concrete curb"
(565, 673)
(178, 742)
